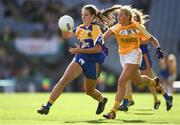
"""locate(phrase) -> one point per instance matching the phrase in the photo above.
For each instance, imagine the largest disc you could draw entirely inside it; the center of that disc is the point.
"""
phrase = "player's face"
(122, 17)
(87, 18)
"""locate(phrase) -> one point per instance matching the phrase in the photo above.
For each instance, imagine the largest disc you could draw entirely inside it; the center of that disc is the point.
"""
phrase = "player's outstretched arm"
(154, 42)
(107, 34)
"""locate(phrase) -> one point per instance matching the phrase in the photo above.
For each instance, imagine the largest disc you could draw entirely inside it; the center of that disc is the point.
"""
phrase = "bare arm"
(154, 42)
(92, 50)
(150, 37)
(107, 34)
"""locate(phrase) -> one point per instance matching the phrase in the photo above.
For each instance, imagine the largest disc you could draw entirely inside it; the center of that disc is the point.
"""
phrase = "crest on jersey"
(128, 32)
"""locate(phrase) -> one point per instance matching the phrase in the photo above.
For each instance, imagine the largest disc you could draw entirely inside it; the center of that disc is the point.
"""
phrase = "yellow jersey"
(129, 37)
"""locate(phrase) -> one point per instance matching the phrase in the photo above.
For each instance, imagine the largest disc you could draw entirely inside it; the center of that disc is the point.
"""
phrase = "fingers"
(68, 26)
(72, 50)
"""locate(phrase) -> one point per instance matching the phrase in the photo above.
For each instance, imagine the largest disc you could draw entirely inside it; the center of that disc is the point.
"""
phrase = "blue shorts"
(145, 52)
(164, 74)
(91, 68)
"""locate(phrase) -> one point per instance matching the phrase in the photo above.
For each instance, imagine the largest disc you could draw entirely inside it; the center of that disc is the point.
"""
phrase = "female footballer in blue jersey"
(89, 56)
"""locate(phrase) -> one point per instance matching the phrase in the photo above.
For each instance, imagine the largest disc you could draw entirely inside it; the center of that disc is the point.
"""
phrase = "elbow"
(153, 39)
(98, 49)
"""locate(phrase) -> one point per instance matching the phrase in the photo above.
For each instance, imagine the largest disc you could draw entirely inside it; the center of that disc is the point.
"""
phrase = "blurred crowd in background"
(33, 54)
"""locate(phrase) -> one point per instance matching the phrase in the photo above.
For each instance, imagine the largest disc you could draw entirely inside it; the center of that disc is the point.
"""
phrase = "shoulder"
(95, 26)
(81, 25)
(77, 29)
(115, 28)
(136, 24)
(96, 29)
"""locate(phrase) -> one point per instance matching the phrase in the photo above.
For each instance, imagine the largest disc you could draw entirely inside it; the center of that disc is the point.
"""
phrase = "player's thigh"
(136, 78)
(148, 64)
(72, 71)
(127, 73)
(147, 72)
(91, 72)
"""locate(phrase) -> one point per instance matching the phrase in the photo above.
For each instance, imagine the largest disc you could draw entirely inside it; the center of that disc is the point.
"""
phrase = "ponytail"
(141, 18)
(106, 17)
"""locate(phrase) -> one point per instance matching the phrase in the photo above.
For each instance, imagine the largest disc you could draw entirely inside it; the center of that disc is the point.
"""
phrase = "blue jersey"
(90, 37)
(145, 51)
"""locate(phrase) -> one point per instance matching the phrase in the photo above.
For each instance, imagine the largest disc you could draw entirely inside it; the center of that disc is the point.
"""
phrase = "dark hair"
(104, 17)
(92, 9)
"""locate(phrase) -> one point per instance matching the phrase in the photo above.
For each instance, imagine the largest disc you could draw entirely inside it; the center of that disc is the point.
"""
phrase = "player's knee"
(121, 84)
(137, 80)
(63, 81)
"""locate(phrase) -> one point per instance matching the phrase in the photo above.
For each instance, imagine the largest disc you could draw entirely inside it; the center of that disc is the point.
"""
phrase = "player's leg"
(147, 70)
(170, 82)
(127, 73)
(157, 102)
(72, 71)
(130, 63)
(131, 101)
(155, 83)
(90, 86)
(127, 97)
(90, 89)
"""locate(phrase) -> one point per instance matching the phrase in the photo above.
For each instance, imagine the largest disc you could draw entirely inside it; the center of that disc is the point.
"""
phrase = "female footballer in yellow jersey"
(127, 33)
(146, 65)
(89, 56)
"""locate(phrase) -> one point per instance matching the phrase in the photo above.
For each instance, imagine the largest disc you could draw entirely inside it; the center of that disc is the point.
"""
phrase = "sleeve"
(97, 35)
(144, 32)
(114, 29)
(143, 38)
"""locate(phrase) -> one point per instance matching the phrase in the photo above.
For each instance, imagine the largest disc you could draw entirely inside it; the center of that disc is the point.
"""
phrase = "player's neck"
(125, 23)
(87, 25)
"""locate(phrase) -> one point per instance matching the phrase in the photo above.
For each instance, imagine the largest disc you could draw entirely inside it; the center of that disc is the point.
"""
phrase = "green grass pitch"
(79, 109)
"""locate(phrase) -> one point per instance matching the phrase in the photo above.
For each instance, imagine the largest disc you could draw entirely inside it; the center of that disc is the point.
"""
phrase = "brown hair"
(92, 9)
(142, 18)
(106, 16)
